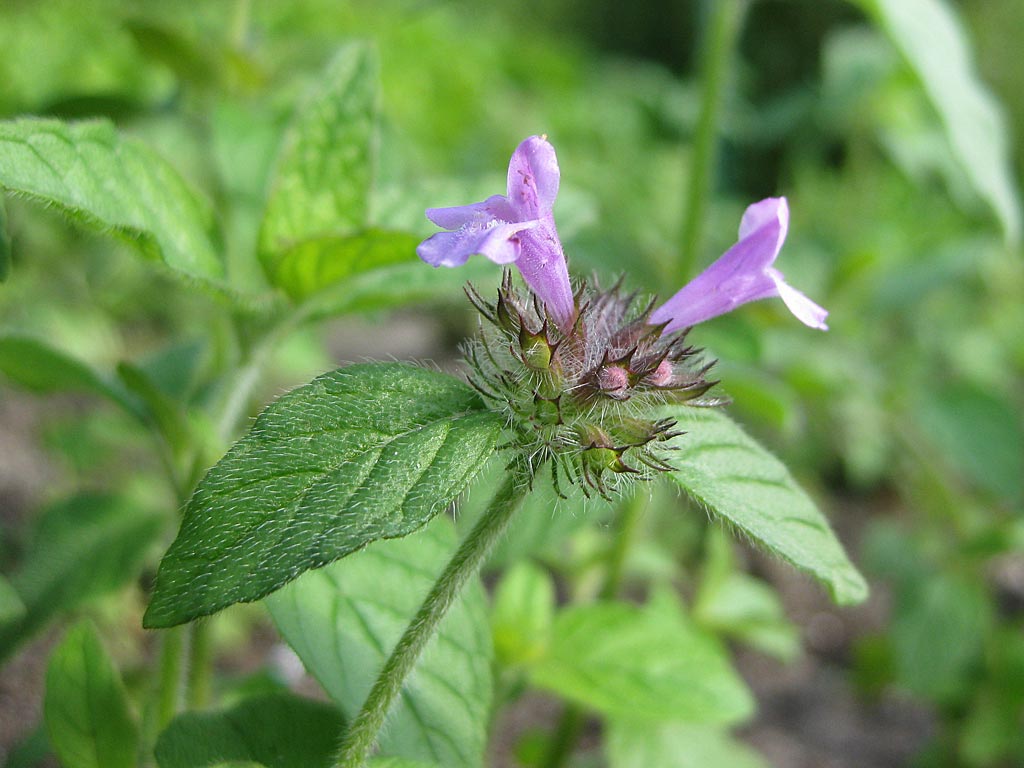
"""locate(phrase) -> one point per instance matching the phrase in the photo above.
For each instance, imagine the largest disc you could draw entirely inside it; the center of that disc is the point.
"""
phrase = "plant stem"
(362, 734)
(721, 32)
(573, 719)
(200, 665)
(172, 646)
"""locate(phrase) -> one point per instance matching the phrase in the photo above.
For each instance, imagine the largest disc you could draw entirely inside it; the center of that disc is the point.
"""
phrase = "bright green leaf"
(344, 620)
(645, 662)
(115, 184)
(935, 44)
(5, 243)
(317, 229)
(82, 547)
(633, 744)
(37, 366)
(276, 730)
(86, 709)
(524, 608)
(362, 453)
(11, 607)
(731, 475)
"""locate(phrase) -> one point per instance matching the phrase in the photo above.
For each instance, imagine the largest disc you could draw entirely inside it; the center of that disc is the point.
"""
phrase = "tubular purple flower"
(743, 273)
(517, 228)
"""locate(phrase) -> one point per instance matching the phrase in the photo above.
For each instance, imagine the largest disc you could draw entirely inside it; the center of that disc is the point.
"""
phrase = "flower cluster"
(579, 372)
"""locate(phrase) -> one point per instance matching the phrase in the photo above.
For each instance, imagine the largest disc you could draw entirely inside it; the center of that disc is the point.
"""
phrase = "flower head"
(743, 273)
(516, 228)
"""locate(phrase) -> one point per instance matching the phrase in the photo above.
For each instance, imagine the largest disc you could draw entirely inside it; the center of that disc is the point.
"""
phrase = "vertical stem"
(172, 646)
(721, 32)
(200, 665)
(570, 726)
(362, 734)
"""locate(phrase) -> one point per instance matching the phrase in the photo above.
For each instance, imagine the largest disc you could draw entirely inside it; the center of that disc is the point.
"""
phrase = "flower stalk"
(362, 734)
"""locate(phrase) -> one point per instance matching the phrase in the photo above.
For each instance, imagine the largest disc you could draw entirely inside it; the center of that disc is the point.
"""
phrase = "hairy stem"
(570, 726)
(721, 32)
(362, 734)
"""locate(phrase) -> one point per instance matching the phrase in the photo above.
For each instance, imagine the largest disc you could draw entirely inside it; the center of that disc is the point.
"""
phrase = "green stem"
(362, 734)
(172, 646)
(200, 665)
(573, 719)
(722, 31)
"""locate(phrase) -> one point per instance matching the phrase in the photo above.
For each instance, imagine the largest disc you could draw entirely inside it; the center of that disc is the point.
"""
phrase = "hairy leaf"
(86, 709)
(113, 183)
(344, 620)
(277, 730)
(642, 662)
(932, 39)
(317, 228)
(82, 547)
(362, 453)
(730, 474)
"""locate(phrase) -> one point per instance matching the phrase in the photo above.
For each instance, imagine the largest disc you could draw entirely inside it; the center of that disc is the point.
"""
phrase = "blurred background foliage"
(905, 418)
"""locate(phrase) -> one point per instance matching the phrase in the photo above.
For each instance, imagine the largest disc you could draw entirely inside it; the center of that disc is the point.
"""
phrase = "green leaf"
(317, 229)
(524, 608)
(731, 475)
(167, 415)
(276, 730)
(362, 453)
(344, 620)
(115, 184)
(11, 607)
(37, 366)
(935, 44)
(85, 708)
(633, 744)
(5, 244)
(83, 547)
(642, 663)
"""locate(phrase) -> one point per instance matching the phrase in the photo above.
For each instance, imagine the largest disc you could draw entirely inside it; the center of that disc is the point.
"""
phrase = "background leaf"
(37, 366)
(11, 607)
(317, 228)
(358, 454)
(634, 744)
(644, 662)
(276, 730)
(113, 183)
(344, 620)
(935, 44)
(85, 546)
(728, 472)
(5, 243)
(523, 612)
(86, 709)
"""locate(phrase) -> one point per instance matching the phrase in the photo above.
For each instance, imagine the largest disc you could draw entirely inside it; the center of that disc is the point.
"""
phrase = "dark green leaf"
(276, 730)
(634, 744)
(83, 547)
(36, 365)
(11, 607)
(358, 454)
(317, 229)
(644, 662)
(344, 620)
(112, 183)
(935, 44)
(85, 708)
(5, 243)
(730, 474)
(167, 415)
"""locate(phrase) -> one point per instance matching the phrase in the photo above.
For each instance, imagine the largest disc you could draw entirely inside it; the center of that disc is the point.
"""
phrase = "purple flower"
(517, 228)
(743, 273)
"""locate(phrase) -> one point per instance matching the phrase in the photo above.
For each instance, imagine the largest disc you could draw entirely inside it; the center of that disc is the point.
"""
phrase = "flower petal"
(533, 178)
(805, 310)
(767, 211)
(494, 240)
(494, 207)
(542, 264)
